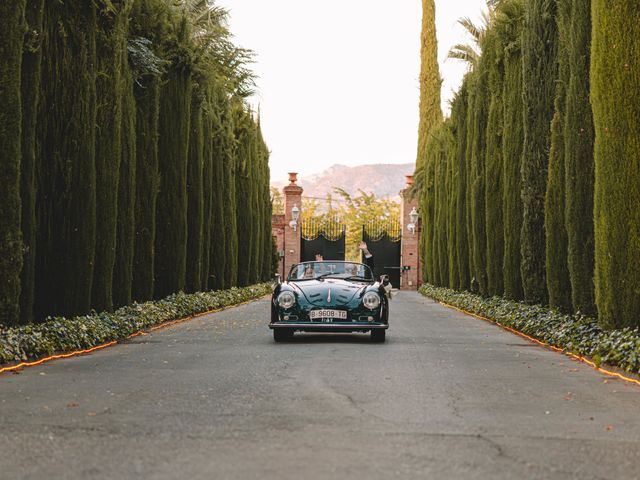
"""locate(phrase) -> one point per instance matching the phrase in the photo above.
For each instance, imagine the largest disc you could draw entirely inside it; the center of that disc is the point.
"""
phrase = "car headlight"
(286, 300)
(371, 300)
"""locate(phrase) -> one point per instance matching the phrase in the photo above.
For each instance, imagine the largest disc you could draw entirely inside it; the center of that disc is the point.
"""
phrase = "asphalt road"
(448, 396)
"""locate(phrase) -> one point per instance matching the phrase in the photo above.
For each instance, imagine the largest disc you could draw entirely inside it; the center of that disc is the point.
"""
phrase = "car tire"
(282, 334)
(378, 336)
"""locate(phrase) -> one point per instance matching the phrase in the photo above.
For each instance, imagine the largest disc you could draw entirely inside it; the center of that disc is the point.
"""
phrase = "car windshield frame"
(331, 269)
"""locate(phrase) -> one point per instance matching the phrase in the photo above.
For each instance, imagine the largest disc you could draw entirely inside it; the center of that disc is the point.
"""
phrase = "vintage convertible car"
(330, 296)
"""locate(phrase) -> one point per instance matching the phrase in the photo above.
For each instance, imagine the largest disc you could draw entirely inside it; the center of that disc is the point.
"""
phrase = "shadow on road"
(311, 338)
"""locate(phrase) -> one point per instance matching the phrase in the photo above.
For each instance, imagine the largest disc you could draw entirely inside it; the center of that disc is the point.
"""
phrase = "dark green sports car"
(330, 296)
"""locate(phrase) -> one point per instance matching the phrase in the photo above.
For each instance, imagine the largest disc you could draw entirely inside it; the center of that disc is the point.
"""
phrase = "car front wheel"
(378, 336)
(282, 334)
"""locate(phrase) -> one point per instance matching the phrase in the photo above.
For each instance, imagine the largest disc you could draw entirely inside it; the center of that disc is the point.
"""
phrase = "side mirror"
(278, 279)
(384, 280)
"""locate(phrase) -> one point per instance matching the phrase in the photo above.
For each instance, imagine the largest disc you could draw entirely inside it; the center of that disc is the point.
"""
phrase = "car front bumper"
(320, 327)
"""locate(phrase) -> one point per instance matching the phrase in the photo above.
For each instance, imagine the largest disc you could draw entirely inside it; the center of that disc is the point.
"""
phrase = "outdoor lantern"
(295, 214)
(413, 218)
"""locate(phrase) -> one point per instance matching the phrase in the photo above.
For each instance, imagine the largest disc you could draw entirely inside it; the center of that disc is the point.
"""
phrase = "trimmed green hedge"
(573, 333)
(60, 334)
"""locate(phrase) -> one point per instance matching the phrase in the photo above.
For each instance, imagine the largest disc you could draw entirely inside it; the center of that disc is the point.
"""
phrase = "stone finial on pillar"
(411, 272)
(292, 198)
(409, 180)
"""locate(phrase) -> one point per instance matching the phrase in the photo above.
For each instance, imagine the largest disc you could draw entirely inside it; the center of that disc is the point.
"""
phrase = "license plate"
(326, 315)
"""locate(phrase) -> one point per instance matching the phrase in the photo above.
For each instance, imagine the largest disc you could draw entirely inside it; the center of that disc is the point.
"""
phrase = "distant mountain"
(384, 180)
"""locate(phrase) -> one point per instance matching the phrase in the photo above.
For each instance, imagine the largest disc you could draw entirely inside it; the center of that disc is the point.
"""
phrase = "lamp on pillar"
(413, 217)
(295, 214)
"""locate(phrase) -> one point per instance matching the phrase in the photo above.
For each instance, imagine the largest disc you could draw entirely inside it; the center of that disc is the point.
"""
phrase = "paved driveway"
(448, 396)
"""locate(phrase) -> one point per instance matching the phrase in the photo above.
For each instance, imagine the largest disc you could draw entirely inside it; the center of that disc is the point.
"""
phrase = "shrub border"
(60, 337)
(575, 335)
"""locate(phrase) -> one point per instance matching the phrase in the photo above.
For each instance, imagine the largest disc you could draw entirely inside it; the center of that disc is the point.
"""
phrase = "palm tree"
(214, 46)
(471, 52)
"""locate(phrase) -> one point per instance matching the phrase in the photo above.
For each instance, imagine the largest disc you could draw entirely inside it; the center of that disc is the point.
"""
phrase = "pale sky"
(339, 78)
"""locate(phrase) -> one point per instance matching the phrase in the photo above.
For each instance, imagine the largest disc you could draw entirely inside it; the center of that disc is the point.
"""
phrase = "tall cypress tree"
(477, 150)
(459, 117)
(147, 92)
(11, 250)
(615, 89)
(473, 93)
(265, 201)
(208, 194)
(230, 232)
(126, 228)
(539, 47)
(258, 212)
(492, 55)
(427, 209)
(148, 28)
(452, 207)
(223, 247)
(558, 284)
(434, 161)
(579, 138)
(446, 234)
(430, 117)
(30, 92)
(111, 49)
(430, 81)
(66, 232)
(512, 149)
(195, 210)
(171, 210)
(244, 202)
(439, 231)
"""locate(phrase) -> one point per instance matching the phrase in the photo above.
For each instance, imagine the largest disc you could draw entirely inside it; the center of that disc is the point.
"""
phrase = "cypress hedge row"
(129, 155)
(529, 190)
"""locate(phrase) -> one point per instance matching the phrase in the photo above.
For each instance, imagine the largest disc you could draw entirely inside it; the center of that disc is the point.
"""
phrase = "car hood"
(329, 292)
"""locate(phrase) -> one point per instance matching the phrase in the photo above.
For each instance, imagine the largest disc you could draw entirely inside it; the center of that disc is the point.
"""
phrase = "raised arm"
(368, 256)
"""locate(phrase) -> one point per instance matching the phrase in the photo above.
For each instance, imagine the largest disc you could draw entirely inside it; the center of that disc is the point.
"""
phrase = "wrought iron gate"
(326, 237)
(383, 239)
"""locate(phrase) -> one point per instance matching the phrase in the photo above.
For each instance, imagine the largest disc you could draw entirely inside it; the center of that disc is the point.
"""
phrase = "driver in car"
(309, 271)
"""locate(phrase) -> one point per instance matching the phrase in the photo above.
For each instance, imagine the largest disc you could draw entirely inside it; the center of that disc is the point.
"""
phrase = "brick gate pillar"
(410, 251)
(292, 197)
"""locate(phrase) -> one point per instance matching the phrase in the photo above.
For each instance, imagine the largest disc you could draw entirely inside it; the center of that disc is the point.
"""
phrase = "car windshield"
(328, 269)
